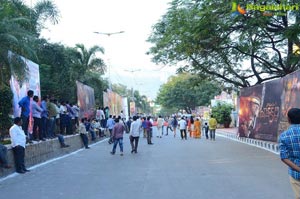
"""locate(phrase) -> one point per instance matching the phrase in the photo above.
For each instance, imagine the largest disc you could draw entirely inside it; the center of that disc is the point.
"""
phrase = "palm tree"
(19, 27)
(89, 60)
(44, 10)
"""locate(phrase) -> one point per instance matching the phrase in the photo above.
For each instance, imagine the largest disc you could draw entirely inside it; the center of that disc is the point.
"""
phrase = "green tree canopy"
(222, 113)
(186, 92)
(205, 38)
(18, 32)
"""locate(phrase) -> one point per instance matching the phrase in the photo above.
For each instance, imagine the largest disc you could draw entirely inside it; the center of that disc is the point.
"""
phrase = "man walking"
(212, 124)
(148, 127)
(110, 125)
(182, 128)
(18, 141)
(135, 129)
(160, 122)
(289, 146)
(117, 135)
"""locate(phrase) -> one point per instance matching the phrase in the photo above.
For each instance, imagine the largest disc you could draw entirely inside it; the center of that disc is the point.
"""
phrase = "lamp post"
(132, 93)
(109, 65)
(132, 71)
(109, 33)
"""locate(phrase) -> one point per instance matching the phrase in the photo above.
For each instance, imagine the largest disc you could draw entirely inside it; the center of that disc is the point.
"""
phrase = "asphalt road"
(170, 169)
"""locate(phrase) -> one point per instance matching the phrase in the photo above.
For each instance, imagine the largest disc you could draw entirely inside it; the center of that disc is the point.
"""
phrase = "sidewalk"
(232, 133)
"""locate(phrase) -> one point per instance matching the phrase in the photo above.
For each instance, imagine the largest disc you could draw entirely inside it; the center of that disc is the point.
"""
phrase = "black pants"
(134, 141)
(19, 156)
(206, 132)
(25, 123)
(63, 124)
(169, 127)
(148, 131)
(37, 128)
(84, 139)
(212, 134)
(183, 133)
(45, 124)
(69, 125)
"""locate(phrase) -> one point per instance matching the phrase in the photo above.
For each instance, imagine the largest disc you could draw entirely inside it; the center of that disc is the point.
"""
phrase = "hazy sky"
(125, 53)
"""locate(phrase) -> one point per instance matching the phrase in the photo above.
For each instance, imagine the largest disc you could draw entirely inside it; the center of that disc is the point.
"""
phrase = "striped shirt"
(289, 145)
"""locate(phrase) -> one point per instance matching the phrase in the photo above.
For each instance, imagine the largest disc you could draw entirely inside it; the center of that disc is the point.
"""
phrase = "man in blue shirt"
(45, 116)
(110, 125)
(24, 104)
(290, 149)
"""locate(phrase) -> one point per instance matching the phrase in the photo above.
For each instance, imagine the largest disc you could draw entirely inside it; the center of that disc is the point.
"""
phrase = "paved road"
(170, 169)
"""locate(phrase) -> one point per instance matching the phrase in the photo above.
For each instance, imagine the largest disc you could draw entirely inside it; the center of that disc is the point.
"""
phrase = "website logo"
(265, 9)
(237, 9)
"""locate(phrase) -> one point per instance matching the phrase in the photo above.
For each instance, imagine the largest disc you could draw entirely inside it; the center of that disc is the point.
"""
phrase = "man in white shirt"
(123, 116)
(135, 130)
(160, 122)
(76, 111)
(18, 142)
(182, 128)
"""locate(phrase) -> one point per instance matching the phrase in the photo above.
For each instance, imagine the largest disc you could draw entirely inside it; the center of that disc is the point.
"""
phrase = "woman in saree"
(191, 127)
(197, 126)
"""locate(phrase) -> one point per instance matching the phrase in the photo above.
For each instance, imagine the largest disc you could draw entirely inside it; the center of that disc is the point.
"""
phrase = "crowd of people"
(52, 120)
(149, 126)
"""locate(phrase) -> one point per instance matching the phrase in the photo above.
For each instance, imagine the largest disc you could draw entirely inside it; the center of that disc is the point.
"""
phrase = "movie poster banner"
(290, 98)
(125, 107)
(263, 108)
(86, 100)
(132, 108)
(113, 101)
(19, 89)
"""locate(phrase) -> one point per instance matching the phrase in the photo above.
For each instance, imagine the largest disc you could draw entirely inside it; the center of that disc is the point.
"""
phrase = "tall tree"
(88, 59)
(59, 65)
(245, 49)
(18, 31)
(186, 92)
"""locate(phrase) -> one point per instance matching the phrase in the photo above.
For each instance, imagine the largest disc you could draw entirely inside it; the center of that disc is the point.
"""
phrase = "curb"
(269, 146)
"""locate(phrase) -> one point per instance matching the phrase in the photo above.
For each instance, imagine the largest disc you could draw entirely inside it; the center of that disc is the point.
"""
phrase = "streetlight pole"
(109, 65)
(132, 71)
(132, 93)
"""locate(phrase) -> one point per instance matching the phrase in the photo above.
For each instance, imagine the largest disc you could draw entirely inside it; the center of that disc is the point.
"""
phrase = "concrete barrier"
(39, 152)
(269, 146)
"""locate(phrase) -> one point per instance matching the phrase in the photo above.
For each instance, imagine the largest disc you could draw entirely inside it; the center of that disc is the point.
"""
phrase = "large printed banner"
(113, 101)
(125, 106)
(86, 100)
(132, 108)
(19, 89)
(263, 108)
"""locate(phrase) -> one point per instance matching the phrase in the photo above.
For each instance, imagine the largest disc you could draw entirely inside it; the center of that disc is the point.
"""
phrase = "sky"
(125, 53)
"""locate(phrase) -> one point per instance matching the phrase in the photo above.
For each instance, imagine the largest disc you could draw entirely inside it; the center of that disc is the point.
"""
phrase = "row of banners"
(262, 108)
(85, 94)
(115, 103)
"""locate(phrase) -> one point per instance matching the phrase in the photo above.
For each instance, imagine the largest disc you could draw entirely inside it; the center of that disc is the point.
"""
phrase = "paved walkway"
(231, 133)
(170, 169)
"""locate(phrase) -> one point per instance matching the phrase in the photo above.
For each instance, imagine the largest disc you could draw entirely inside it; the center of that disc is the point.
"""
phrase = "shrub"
(5, 108)
(222, 113)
